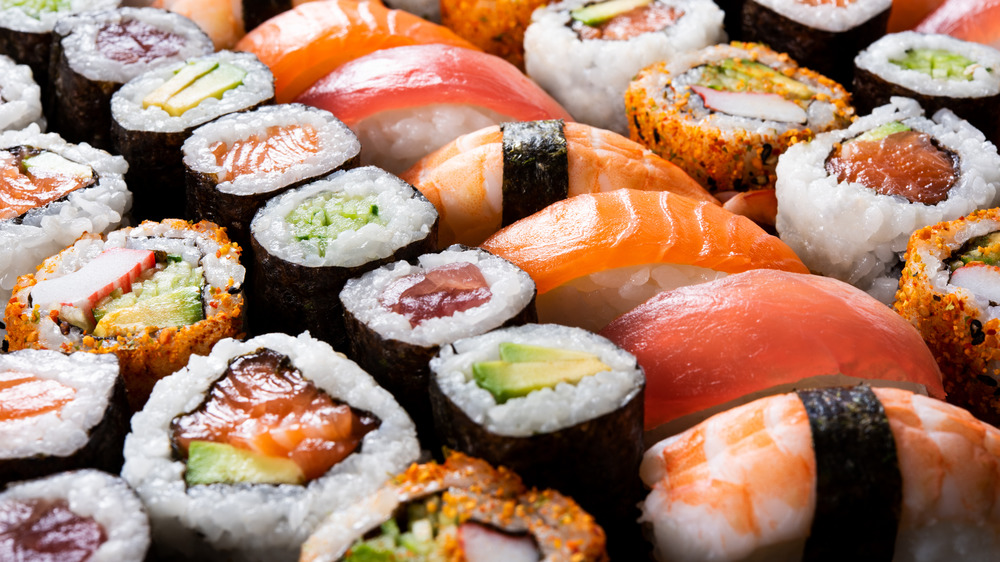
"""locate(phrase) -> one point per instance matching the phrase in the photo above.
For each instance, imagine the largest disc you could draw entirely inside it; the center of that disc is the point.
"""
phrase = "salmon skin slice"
(278, 150)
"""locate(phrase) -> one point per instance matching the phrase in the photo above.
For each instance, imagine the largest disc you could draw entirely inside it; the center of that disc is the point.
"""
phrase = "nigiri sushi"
(706, 347)
(596, 256)
(970, 20)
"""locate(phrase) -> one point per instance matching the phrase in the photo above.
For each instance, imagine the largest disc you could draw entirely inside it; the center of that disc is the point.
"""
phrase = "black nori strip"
(32, 49)
(256, 12)
(859, 488)
(535, 167)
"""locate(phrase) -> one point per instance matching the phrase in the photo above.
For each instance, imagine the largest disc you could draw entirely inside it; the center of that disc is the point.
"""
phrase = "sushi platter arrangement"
(500, 280)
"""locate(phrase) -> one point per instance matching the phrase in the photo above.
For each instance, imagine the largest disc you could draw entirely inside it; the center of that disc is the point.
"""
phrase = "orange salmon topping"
(263, 404)
(282, 148)
(906, 163)
(37, 529)
(635, 22)
(21, 191)
(437, 293)
(25, 396)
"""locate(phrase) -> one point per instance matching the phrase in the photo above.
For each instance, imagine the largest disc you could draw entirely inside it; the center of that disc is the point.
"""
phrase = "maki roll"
(948, 291)
(725, 113)
(154, 113)
(823, 35)
(462, 508)
(60, 412)
(585, 53)
(892, 172)
(79, 515)
(20, 97)
(310, 240)
(236, 163)
(230, 469)
(938, 71)
(95, 53)
(398, 316)
(152, 295)
(527, 396)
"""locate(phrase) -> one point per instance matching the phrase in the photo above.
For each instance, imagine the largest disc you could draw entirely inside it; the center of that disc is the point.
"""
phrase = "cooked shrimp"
(741, 484)
(222, 20)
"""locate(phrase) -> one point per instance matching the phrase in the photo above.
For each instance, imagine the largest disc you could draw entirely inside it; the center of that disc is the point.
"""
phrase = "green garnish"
(937, 63)
(35, 8)
(322, 219)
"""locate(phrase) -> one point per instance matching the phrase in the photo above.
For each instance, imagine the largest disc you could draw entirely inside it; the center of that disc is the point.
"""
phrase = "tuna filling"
(25, 396)
(134, 41)
(30, 177)
(276, 151)
(46, 530)
(437, 293)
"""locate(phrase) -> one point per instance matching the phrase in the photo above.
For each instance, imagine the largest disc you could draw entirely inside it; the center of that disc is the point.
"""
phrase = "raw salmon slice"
(437, 293)
(21, 191)
(632, 23)
(280, 149)
(25, 396)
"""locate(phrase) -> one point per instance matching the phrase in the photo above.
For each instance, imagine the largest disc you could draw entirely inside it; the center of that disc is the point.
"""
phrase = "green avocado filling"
(321, 219)
(596, 14)
(193, 84)
(937, 63)
(741, 75)
(524, 368)
(218, 463)
(35, 8)
(428, 531)
(984, 249)
(169, 297)
(881, 132)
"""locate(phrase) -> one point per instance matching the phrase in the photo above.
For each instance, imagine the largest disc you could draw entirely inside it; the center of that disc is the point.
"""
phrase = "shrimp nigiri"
(754, 482)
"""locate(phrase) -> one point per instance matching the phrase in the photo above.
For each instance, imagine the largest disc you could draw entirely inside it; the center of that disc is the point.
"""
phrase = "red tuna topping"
(46, 530)
(437, 293)
(134, 41)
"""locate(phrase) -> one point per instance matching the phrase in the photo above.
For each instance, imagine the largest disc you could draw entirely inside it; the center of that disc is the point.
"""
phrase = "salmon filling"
(24, 186)
(47, 530)
(135, 41)
(635, 22)
(280, 149)
(437, 293)
(905, 163)
(837, 3)
(264, 405)
(25, 396)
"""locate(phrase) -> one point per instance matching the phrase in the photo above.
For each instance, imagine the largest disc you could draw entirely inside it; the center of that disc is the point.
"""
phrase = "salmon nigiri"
(596, 256)
(969, 20)
(304, 44)
(709, 346)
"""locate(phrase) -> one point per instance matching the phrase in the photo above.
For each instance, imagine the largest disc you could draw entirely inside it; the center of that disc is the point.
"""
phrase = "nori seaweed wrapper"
(256, 12)
(829, 53)
(535, 167)
(32, 49)
(859, 488)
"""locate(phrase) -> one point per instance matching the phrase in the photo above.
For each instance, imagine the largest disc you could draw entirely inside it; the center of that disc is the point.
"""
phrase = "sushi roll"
(823, 35)
(725, 113)
(95, 53)
(398, 316)
(229, 469)
(408, 101)
(60, 412)
(78, 515)
(527, 397)
(234, 164)
(461, 507)
(154, 113)
(892, 172)
(20, 97)
(585, 53)
(310, 240)
(948, 292)
(495, 26)
(834, 474)
(938, 71)
(153, 295)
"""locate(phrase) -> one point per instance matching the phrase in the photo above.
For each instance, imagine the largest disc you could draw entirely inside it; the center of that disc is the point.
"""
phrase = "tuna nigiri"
(304, 44)
(709, 346)
(408, 101)
(471, 179)
(596, 256)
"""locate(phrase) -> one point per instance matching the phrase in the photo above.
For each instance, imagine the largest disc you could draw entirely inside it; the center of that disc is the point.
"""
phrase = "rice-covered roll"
(849, 200)
(585, 53)
(153, 295)
(95, 53)
(398, 316)
(231, 468)
(53, 192)
(938, 71)
(823, 35)
(154, 113)
(310, 240)
(20, 96)
(461, 509)
(948, 290)
(78, 515)
(528, 396)
(60, 412)
(727, 112)
(234, 164)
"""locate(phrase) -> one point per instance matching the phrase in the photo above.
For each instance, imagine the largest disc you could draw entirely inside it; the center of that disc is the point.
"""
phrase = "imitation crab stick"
(304, 44)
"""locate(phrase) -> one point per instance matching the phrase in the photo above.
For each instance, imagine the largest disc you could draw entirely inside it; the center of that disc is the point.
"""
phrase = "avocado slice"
(882, 131)
(596, 14)
(985, 249)
(193, 84)
(179, 307)
(522, 352)
(50, 162)
(180, 80)
(533, 368)
(741, 75)
(219, 463)
(936, 63)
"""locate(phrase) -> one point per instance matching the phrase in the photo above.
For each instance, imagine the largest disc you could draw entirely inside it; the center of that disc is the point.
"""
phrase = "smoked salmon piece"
(304, 44)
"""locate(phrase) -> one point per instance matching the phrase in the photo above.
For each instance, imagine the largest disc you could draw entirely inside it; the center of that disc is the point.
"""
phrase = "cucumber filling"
(35, 8)
(163, 297)
(937, 63)
(320, 220)
(742, 75)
